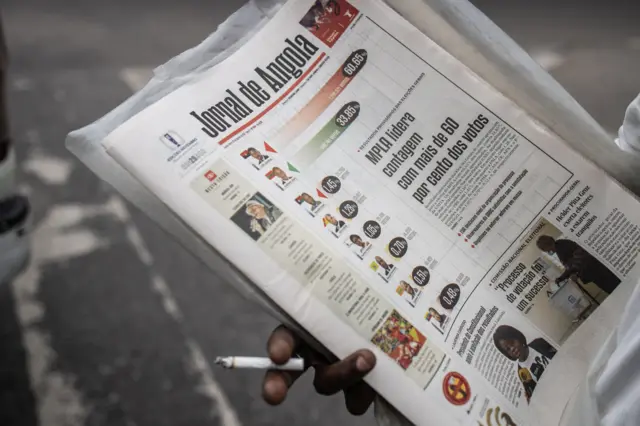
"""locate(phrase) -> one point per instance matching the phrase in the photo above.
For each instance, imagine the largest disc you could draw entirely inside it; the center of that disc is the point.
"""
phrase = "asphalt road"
(116, 325)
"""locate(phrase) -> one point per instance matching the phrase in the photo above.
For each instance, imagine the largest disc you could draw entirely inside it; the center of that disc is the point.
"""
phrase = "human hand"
(330, 378)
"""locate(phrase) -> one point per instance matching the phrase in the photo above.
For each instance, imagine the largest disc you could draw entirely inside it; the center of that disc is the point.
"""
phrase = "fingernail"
(279, 352)
(362, 365)
(274, 392)
(280, 349)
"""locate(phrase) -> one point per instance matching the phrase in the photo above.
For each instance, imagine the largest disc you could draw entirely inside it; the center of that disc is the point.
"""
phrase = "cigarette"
(294, 364)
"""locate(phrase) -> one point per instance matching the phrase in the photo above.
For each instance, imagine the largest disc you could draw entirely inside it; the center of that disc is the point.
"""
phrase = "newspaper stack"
(379, 194)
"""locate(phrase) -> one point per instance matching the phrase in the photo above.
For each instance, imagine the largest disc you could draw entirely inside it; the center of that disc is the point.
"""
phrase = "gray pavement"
(114, 324)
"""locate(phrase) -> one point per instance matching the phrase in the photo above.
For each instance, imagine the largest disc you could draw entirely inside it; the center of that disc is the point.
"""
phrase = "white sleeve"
(610, 395)
(616, 391)
(629, 133)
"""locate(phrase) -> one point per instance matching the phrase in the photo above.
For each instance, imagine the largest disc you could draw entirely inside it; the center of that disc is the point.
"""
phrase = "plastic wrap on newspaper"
(388, 197)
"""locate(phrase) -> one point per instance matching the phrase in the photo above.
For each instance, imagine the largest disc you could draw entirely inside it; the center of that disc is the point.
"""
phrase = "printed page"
(387, 198)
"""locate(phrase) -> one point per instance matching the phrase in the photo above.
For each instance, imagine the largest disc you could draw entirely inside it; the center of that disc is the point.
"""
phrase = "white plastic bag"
(456, 25)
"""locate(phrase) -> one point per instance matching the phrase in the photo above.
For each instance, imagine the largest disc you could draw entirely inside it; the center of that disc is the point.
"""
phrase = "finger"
(276, 385)
(282, 345)
(331, 379)
(359, 398)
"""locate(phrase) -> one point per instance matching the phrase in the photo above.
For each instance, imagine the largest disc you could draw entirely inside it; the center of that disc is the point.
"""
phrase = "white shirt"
(629, 133)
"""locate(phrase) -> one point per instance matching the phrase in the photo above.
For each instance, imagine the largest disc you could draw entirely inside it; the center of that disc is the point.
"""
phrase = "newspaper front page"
(387, 198)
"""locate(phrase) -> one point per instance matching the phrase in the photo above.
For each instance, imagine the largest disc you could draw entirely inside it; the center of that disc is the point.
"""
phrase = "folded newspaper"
(378, 193)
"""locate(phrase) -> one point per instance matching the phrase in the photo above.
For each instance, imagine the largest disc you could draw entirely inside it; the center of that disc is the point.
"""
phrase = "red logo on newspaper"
(456, 388)
(211, 176)
(329, 19)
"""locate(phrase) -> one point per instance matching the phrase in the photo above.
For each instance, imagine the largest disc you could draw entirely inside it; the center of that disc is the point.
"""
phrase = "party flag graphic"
(292, 168)
(320, 194)
(269, 148)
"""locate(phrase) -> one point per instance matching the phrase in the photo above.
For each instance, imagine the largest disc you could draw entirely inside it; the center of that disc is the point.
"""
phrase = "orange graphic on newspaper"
(399, 339)
(329, 19)
(456, 388)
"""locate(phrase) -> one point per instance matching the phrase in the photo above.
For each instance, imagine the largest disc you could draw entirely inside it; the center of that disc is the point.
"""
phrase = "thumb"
(331, 379)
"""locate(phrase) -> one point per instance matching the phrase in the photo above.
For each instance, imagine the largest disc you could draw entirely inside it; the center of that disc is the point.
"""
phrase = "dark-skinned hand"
(330, 377)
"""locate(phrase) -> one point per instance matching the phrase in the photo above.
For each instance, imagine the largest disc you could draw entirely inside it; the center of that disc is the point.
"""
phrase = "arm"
(566, 274)
(579, 258)
(543, 347)
(629, 134)
(571, 258)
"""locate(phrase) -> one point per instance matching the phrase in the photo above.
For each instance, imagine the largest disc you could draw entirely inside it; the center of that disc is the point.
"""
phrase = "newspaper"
(386, 197)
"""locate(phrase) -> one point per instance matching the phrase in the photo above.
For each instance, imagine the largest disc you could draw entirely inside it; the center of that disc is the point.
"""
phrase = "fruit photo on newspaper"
(399, 339)
(257, 216)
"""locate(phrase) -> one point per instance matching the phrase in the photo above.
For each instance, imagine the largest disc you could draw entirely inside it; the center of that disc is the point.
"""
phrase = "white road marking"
(51, 170)
(547, 58)
(135, 239)
(168, 302)
(61, 246)
(210, 387)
